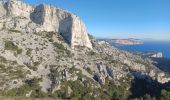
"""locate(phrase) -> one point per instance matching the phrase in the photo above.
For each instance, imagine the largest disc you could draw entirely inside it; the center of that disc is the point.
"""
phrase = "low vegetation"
(29, 50)
(34, 68)
(9, 45)
(89, 70)
(16, 31)
(60, 47)
(165, 95)
(30, 85)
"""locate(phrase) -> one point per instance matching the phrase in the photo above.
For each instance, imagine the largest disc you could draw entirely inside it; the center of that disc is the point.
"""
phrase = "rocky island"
(154, 54)
(46, 52)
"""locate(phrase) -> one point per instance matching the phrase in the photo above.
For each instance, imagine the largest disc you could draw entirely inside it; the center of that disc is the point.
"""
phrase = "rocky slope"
(46, 51)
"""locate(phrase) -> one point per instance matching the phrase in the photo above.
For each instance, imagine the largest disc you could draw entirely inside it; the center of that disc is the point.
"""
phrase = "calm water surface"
(150, 46)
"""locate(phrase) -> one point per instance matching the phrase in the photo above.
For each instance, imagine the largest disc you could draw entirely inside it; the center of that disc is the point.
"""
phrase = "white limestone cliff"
(19, 16)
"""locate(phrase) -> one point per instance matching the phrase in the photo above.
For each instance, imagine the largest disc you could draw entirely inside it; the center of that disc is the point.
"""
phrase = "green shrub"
(49, 34)
(115, 92)
(165, 95)
(59, 46)
(29, 51)
(81, 92)
(36, 63)
(68, 53)
(18, 73)
(34, 68)
(9, 45)
(19, 51)
(16, 31)
(89, 70)
(2, 67)
(32, 84)
(72, 69)
(38, 94)
(63, 92)
(21, 91)
(2, 59)
(9, 93)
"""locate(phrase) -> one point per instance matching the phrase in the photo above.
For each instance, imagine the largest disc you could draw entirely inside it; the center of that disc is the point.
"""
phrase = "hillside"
(46, 52)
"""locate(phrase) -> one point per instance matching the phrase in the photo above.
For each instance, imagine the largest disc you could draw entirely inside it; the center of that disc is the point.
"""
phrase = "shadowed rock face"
(37, 15)
(3, 9)
(46, 18)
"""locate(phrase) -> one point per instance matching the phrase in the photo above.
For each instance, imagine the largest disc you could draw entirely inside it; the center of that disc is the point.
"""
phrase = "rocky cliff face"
(19, 16)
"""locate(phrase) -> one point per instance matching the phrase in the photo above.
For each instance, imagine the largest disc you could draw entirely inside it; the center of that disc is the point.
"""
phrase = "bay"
(149, 46)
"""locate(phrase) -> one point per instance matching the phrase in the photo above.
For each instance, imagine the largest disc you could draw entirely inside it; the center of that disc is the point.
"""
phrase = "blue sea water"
(149, 46)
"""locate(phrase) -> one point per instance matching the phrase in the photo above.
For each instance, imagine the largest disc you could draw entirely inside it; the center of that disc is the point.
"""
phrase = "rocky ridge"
(16, 15)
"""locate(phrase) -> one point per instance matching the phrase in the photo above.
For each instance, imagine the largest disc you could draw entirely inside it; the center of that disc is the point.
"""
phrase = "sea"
(149, 46)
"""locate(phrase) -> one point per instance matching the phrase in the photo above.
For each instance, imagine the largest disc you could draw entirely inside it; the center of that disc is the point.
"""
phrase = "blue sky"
(120, 18)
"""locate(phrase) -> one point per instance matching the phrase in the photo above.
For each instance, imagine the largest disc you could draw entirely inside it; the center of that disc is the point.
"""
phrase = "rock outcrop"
(47, 18)
(152, 54)
(156, 55)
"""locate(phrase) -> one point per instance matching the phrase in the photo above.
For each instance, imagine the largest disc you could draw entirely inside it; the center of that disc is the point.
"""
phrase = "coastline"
(148, 46)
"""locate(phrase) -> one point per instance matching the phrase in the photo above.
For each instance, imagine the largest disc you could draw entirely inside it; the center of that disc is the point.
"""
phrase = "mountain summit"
(41, 18)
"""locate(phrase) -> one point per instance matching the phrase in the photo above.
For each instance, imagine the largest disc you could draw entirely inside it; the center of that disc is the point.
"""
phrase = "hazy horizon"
(160, 37)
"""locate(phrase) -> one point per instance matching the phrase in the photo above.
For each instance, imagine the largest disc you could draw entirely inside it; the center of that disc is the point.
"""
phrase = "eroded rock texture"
(48, 18)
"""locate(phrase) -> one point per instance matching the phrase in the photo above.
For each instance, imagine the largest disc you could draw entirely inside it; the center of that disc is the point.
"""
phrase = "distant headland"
(129, 41)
